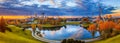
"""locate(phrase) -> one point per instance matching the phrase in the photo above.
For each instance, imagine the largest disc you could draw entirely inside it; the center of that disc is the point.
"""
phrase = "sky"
(57, 7)
(114, 3)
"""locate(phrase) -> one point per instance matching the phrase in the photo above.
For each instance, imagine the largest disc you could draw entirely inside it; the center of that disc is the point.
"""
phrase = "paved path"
(43, 39)
(94, 39)
(53, 41)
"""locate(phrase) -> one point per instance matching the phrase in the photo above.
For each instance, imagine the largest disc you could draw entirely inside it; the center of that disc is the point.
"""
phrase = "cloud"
(53, 7)
(114, 3)
(2, 1)
(71, 4)
(50, 3)
(118, 11)
(16, 5)
(41, 0)
(2, 6)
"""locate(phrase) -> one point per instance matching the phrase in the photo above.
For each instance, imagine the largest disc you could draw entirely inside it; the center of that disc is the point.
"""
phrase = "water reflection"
(68, 31)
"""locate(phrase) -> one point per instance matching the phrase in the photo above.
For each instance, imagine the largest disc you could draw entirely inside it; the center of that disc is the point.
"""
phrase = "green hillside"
(17, 36)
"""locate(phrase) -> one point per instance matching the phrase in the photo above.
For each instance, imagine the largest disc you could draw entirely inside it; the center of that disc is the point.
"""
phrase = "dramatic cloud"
(55, 7)
(2, 0)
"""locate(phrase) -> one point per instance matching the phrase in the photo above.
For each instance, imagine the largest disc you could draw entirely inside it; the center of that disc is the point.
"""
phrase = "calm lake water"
(70, 31)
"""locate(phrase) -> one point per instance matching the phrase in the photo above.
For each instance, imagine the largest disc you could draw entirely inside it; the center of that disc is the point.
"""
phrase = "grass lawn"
(17, 36)
(49, 25)
(85, 25)
(115, 39)
(74, 23)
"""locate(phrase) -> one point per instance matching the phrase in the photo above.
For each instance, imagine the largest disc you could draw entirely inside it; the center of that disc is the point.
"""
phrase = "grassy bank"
(71, 23)
(62, 24)
(115, 39)
(17, 36)
(48, 25)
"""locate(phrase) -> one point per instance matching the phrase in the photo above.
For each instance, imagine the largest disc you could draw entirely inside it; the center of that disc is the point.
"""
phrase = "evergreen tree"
(3, 25)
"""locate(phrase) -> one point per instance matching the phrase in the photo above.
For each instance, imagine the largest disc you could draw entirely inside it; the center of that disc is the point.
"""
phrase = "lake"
(69, 31)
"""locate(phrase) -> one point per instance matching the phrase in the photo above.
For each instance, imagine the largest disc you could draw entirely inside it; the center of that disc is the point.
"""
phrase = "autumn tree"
(39, 26)
(92, 28)
(116, 30)
(117, 27)
(64, 20)
(17, 22)
(52, 22)
(106, 28)
(40, 21)
(46, 20)
(33, 27)
(85, 20)
(118, 21)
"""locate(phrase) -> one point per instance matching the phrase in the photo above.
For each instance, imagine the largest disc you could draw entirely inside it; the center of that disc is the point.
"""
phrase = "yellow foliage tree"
(33, 27)
(39, 26)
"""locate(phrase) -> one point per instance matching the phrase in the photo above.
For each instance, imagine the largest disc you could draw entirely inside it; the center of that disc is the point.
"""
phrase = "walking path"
(94, 39)
(53, 41)
(43, 39)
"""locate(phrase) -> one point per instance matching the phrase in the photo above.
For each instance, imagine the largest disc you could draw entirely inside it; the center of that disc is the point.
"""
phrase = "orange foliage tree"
(103, 26)
(111, 24)
(92, 28)
(106, 25)
(117, 27)
(106, 28)
(116, 30)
